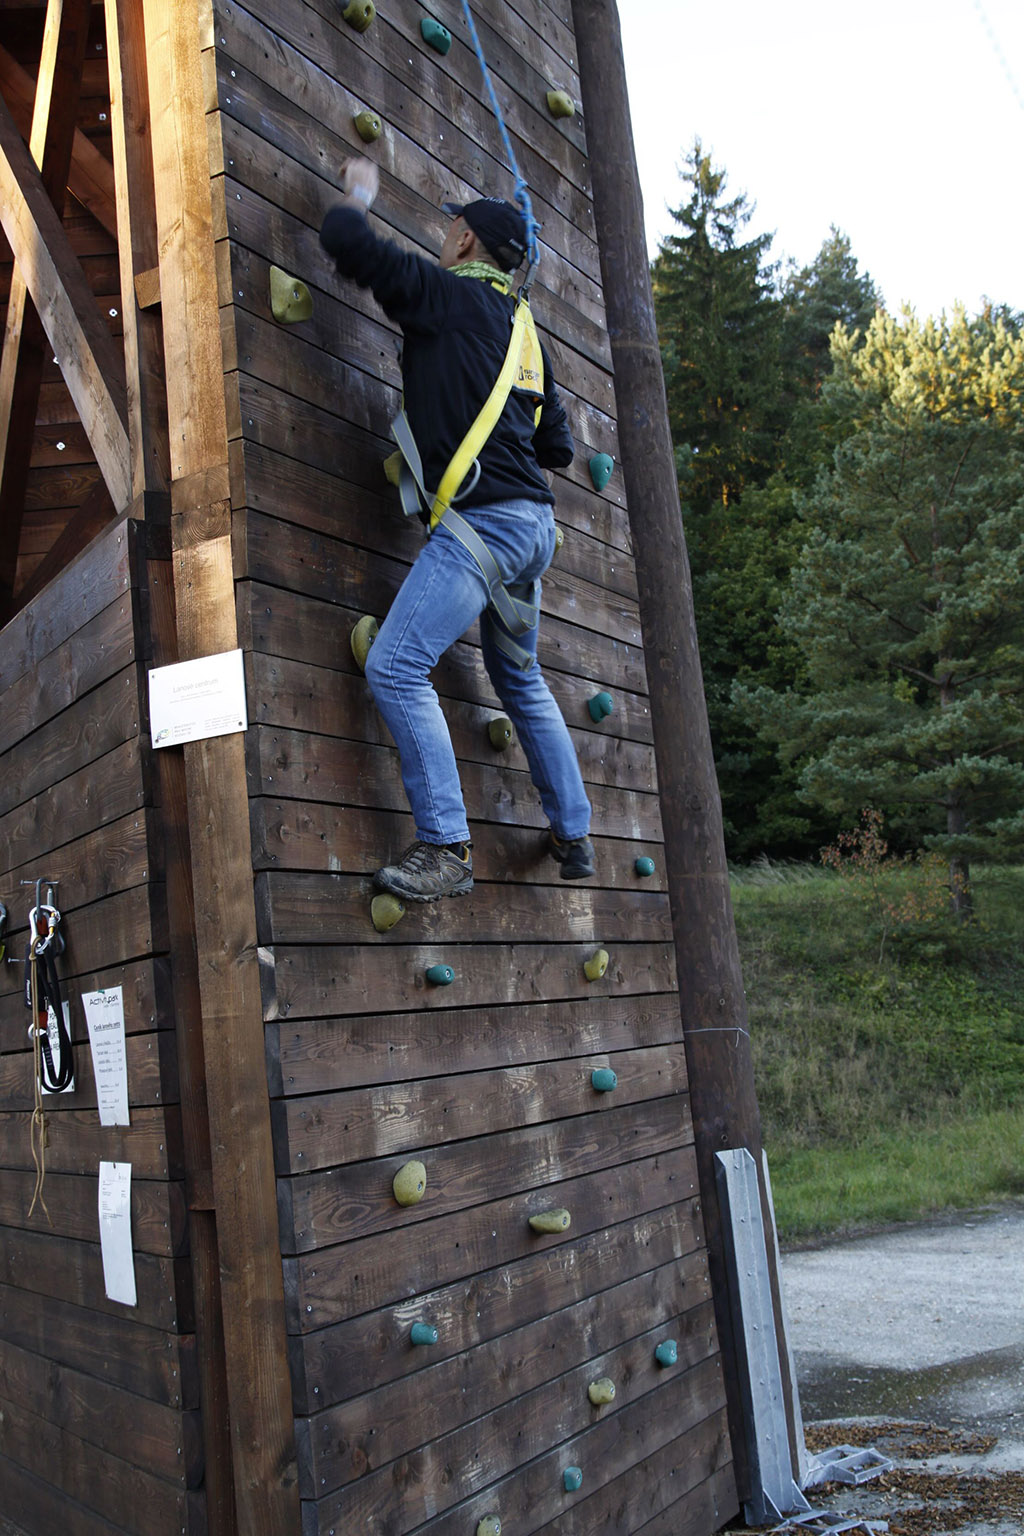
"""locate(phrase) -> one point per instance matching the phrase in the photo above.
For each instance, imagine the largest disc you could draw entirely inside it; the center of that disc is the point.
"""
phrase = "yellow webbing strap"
(490, 411)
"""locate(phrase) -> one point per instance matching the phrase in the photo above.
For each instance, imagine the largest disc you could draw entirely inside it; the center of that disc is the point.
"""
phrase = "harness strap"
(487, 418)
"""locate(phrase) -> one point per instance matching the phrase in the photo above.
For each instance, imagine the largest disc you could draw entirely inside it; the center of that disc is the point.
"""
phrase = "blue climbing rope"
(522, 192)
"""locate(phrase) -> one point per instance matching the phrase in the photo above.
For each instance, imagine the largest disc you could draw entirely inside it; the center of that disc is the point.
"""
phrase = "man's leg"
(438, 601)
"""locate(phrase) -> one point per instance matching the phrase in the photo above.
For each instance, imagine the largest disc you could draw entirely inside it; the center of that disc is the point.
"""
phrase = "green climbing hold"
(603, 1080)
(551, 1221)
(595, 967)
(600, 705)
(490, 1525)
(364, 633)
(368, 126)
(410, 1183)
(440, 975)
(572, 1479)
(290, 299)
(435, 35)
(601, 1391)
(422, 1333)
(359, 14)
(500, 732)
(601, 466)
(386, 911)
(667, 1353)
(644, 865)
(561, 104)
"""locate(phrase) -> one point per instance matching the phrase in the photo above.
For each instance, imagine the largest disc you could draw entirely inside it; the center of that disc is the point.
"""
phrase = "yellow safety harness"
(523, 368)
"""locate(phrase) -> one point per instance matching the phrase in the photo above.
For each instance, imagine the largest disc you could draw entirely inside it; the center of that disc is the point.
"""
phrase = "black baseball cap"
(499, 227)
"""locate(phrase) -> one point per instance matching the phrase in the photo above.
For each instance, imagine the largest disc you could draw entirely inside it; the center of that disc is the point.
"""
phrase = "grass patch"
(889, 1074)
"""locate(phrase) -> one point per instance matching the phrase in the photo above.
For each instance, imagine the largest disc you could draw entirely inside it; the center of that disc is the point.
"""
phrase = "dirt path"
(911, 1340)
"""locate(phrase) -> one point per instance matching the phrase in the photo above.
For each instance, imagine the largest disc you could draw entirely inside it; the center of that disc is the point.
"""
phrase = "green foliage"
(907, 601)
(718, 320)
(864, 1065)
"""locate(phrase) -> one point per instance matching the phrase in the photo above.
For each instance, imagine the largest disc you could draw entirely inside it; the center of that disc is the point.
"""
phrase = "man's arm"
(408, 288)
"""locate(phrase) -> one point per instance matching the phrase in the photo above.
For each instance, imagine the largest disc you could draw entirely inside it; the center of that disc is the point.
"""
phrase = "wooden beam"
(21, 369)
(76, 331)
(244, 1187)
(137, 243)
(89, 519)
(91, 175)
(714, 1011)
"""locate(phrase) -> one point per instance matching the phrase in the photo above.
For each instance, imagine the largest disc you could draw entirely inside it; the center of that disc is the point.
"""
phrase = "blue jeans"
(438, 601)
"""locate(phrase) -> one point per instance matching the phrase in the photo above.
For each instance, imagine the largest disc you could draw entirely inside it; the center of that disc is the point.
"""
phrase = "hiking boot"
(576, 856)
(427, 871)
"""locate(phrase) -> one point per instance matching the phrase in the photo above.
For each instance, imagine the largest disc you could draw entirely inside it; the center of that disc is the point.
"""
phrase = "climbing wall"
(443, 1352)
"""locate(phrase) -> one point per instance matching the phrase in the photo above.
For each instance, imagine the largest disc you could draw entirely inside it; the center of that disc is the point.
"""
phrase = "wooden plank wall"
(486, 1081)
(99, 1401)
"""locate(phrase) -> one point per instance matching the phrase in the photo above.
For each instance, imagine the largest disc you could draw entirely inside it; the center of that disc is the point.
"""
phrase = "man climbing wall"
(482, 420)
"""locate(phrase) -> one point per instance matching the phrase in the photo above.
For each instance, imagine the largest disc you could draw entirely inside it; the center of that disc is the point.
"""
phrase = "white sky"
(899, 121)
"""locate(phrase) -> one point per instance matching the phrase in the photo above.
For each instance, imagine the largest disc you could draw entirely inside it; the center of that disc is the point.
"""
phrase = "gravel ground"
(911, 1341)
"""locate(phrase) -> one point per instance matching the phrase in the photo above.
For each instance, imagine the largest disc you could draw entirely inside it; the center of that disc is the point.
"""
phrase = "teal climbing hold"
(600, 705)
(422, 1333)
(572, 1478)
(667, 1352)
(644, 866)
(603, 1080)
(435, 35)
(440, 975)
(601, 466)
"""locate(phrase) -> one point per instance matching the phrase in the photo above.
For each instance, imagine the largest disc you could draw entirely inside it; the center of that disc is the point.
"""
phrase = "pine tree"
(907, 602)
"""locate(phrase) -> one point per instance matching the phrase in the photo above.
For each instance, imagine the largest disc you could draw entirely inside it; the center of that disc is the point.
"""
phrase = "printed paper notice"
(195, 699)
(104, 1014)
(116, 1232)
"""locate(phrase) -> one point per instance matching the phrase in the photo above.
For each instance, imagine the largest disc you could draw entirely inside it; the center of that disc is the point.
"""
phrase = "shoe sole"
(396, 890)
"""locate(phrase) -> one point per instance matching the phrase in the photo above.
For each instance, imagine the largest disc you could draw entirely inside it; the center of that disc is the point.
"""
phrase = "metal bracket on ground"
(819, 1522)
(846, 1464)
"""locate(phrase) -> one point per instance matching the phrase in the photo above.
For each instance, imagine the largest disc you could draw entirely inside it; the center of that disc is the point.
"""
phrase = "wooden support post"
(243, 1179)
(719, 1066)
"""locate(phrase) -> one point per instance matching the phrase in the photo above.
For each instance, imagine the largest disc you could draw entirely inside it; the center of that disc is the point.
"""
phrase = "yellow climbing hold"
(386, 911)
(393, 467)
(290, 299)
(559, 538)
(500, 732)
(410, 1183)
(551, 1221)
(364, 633)
(368, 126)
(601, 1391)
(595, 967)
(561, 104)
(359, 14)
(490, 1525)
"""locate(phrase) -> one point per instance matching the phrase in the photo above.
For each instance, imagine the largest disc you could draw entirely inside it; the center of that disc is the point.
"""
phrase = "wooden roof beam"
(91, 175)
(77, 333)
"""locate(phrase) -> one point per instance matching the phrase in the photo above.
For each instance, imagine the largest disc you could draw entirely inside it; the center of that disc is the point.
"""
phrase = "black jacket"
(456, 334)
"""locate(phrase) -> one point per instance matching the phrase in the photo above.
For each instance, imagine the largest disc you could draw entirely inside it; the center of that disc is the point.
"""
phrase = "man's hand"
(360, 182)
